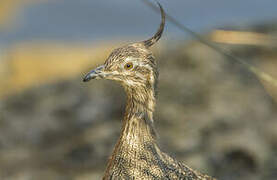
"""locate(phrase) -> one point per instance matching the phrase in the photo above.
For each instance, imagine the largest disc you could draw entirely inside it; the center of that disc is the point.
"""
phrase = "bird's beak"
(97, 73)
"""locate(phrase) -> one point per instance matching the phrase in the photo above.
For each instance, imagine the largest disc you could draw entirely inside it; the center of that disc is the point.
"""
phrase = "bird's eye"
(128, 66)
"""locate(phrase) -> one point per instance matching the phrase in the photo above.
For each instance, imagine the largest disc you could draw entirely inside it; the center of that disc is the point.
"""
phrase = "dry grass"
(33, 64)
(266, 70)
(29, 65)
(269, 65)
(242, 37)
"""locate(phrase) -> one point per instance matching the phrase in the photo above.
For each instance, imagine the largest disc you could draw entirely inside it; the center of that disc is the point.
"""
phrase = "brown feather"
(136, 154)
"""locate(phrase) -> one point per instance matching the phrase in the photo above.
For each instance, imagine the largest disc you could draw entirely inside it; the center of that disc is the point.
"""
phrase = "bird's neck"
(137, 133)
(138, 118)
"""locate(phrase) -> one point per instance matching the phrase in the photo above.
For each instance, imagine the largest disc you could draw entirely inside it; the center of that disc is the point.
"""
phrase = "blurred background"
(212, 113)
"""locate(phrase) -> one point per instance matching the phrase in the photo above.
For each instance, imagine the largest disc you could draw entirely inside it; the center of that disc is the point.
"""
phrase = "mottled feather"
(136, 154)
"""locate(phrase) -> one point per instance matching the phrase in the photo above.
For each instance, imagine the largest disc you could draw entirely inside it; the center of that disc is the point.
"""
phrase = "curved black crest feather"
(157, 36)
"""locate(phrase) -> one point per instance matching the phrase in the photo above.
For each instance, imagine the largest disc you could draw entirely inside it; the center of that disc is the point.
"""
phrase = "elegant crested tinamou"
(136, 154)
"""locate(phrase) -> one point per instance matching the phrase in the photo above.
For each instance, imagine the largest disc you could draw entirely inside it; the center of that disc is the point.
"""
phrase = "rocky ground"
(212, 114)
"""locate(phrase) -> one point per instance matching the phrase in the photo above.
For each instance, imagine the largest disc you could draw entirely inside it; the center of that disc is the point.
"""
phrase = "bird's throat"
(138, 118)
(137, 131)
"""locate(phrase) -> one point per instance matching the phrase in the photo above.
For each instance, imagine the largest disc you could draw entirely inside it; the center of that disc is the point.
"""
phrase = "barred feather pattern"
(137, 154)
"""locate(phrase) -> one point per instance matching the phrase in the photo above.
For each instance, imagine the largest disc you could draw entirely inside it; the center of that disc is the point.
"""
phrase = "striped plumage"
(136, 154)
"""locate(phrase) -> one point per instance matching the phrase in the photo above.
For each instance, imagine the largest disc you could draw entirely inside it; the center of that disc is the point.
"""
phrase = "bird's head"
(132, 65)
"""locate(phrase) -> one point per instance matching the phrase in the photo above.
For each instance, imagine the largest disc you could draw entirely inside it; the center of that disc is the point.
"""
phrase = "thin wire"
(261, 74)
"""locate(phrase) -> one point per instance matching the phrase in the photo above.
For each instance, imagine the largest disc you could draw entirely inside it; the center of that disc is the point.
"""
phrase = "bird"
(137, 154)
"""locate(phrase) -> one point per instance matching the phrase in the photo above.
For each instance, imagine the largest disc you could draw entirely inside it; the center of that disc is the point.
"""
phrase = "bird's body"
(137, 154)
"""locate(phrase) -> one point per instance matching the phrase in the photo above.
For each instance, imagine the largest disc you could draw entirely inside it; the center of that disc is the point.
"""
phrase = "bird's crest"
(149, 42)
